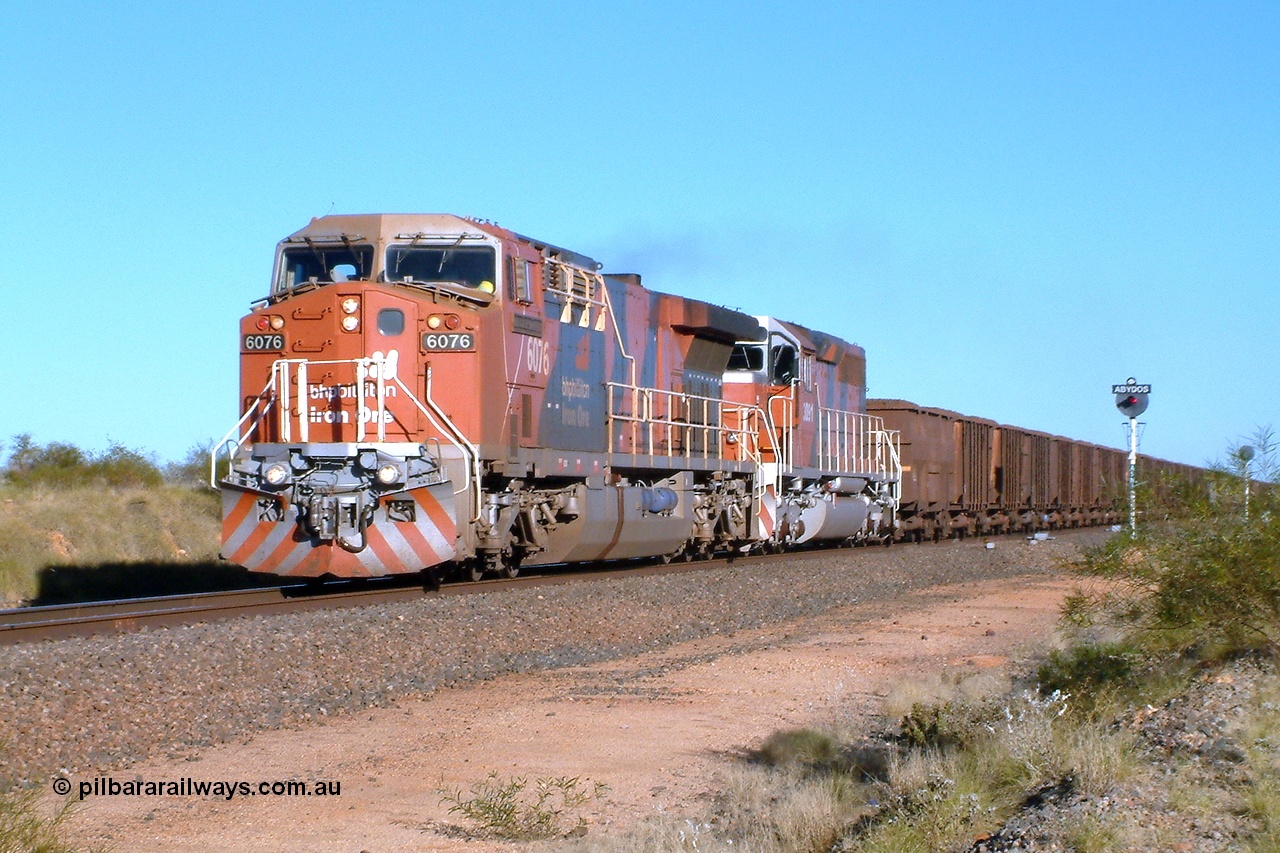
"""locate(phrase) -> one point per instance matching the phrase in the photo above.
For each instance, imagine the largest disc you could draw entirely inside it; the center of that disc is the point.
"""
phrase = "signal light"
(1131, 398)
(1131, 405)
(434, 321)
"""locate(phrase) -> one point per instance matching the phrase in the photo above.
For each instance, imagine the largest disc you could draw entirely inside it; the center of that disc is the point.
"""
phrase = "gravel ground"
(100, 704)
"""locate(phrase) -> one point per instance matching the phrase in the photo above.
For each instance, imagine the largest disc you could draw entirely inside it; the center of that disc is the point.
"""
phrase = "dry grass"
(1261, 734)
(25, 827)
(42, 527)
(758, 810)
(954, 686)
(930, 798)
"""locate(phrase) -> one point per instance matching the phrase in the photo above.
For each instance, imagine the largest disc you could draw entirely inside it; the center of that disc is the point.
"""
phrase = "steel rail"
(63, 621)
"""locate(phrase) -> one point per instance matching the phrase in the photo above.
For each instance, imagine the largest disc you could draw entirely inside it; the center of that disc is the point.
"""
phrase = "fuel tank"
(834, 516)
(618, 522)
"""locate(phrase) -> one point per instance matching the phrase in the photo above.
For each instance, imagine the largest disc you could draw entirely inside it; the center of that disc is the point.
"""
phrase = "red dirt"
(656, 728)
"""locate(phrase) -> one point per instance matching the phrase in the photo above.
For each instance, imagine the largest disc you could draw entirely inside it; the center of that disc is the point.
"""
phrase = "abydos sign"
(1131, 398)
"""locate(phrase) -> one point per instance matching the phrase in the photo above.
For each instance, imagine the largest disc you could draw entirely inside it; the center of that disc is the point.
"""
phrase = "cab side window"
(784, 364)
(520, 277)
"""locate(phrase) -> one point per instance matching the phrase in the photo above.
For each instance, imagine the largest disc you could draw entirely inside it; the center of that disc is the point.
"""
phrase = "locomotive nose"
(338, 509)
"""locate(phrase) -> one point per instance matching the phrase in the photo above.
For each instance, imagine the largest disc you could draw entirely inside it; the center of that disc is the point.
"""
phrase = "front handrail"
(368, 371)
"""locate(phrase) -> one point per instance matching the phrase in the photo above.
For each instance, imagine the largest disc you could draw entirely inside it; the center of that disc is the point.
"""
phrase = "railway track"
(57, 622)
(62, 621)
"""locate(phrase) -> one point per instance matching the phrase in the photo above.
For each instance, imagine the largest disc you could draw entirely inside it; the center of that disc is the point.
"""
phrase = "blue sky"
(1012, 206)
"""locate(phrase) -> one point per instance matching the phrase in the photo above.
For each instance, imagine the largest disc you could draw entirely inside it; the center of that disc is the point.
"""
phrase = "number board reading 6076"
(262, 342)
(449, 342)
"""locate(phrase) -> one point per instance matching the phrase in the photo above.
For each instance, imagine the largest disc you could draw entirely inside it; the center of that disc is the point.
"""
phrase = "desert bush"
(60, 465)
(1086, 666)
(944, 725)
(193, 469)
(1200, 575)
(799, 747)
(509, 808)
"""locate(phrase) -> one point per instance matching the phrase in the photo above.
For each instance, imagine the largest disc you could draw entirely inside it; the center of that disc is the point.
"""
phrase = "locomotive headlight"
(388, 474)
(350, 323)
(350, 305)
(277, 474)
(434, 321)
(277, 322)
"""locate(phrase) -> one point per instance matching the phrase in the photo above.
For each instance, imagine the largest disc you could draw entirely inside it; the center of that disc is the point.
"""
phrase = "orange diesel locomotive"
(422, 392)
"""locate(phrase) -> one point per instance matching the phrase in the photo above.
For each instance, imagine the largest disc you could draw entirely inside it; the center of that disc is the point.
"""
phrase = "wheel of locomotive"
(510, 565)
(504, 564)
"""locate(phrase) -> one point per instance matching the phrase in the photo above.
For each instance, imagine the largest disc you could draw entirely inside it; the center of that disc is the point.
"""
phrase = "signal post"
(1131, 400)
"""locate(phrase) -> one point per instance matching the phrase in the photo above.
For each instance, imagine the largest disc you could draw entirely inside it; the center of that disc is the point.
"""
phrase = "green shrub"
(1089, 665)
(1198, 574)
(193, 470)
(59, 465)
(507, 808)
(796, 747)
(945, 725)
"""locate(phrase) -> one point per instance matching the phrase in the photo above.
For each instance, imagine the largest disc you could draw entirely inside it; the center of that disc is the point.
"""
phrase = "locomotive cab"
(833, 468)
(344, 462)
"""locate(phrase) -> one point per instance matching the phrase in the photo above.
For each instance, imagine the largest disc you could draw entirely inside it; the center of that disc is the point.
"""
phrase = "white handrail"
(659, 417)
(277, 391)
(456, 438)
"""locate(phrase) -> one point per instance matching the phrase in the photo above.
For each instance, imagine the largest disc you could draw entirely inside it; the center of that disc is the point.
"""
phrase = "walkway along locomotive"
(421, 391)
